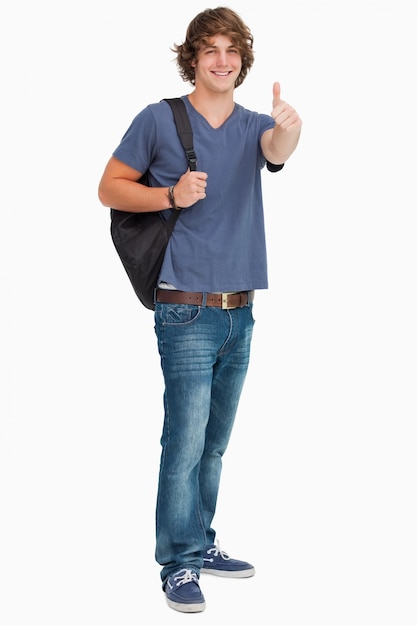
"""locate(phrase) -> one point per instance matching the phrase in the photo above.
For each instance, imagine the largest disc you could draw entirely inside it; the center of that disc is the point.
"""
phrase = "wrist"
(171, 198)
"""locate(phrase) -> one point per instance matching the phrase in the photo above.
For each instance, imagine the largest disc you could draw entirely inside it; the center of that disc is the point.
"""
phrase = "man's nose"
(221, 58)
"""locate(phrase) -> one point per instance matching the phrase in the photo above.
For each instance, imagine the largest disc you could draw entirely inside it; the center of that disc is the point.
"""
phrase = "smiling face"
(218, 65)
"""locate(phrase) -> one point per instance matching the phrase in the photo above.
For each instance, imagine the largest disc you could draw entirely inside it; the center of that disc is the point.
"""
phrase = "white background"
(319, 482)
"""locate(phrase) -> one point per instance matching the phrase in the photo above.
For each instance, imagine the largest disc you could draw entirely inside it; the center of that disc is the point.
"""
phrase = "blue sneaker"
(183, 592)
(219, 563)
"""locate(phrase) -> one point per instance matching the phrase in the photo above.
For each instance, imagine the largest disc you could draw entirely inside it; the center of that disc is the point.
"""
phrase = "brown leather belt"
(229, 300)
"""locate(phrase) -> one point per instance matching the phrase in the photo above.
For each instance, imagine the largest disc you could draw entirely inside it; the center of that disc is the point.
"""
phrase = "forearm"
(281, 143)
(127, 195)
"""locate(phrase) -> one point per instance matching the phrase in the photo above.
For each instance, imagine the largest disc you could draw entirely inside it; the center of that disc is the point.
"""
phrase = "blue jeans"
(204, 355)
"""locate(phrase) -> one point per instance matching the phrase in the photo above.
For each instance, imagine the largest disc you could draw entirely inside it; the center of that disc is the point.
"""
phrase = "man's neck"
(214, 107)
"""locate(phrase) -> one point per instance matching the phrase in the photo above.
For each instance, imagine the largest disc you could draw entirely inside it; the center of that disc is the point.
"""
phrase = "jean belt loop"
(204, 299)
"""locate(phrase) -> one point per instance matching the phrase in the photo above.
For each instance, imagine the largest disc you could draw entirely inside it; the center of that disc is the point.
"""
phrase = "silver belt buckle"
(224, 300)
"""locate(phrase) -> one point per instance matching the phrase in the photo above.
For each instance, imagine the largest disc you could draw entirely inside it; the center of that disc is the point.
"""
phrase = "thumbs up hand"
(284, 115)
(280, 142)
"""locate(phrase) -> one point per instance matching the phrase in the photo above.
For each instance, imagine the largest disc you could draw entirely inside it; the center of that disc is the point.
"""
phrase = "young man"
(216, 259)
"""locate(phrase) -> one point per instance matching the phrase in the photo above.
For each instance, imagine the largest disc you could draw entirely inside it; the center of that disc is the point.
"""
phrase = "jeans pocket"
(176, 314)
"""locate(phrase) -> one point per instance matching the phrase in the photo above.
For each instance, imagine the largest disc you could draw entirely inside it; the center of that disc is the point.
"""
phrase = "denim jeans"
(204, 355)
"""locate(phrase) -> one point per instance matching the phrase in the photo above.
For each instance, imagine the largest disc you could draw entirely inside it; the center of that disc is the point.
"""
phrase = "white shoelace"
(216, 550)
(187, 577)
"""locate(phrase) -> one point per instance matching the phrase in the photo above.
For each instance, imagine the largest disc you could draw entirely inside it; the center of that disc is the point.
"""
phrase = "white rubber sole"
(244, 573)
(186, 608)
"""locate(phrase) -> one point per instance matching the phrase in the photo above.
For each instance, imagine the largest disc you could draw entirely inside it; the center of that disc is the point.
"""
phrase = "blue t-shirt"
(218, 244)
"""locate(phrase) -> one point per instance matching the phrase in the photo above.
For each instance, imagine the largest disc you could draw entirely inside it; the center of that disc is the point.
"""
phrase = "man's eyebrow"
(213, 45)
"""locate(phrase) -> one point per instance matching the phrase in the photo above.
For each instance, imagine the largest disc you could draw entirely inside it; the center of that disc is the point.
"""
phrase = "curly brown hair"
(202, 29)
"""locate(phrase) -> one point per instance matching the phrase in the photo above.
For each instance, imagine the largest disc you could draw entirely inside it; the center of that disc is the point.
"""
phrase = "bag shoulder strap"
(184, 129)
